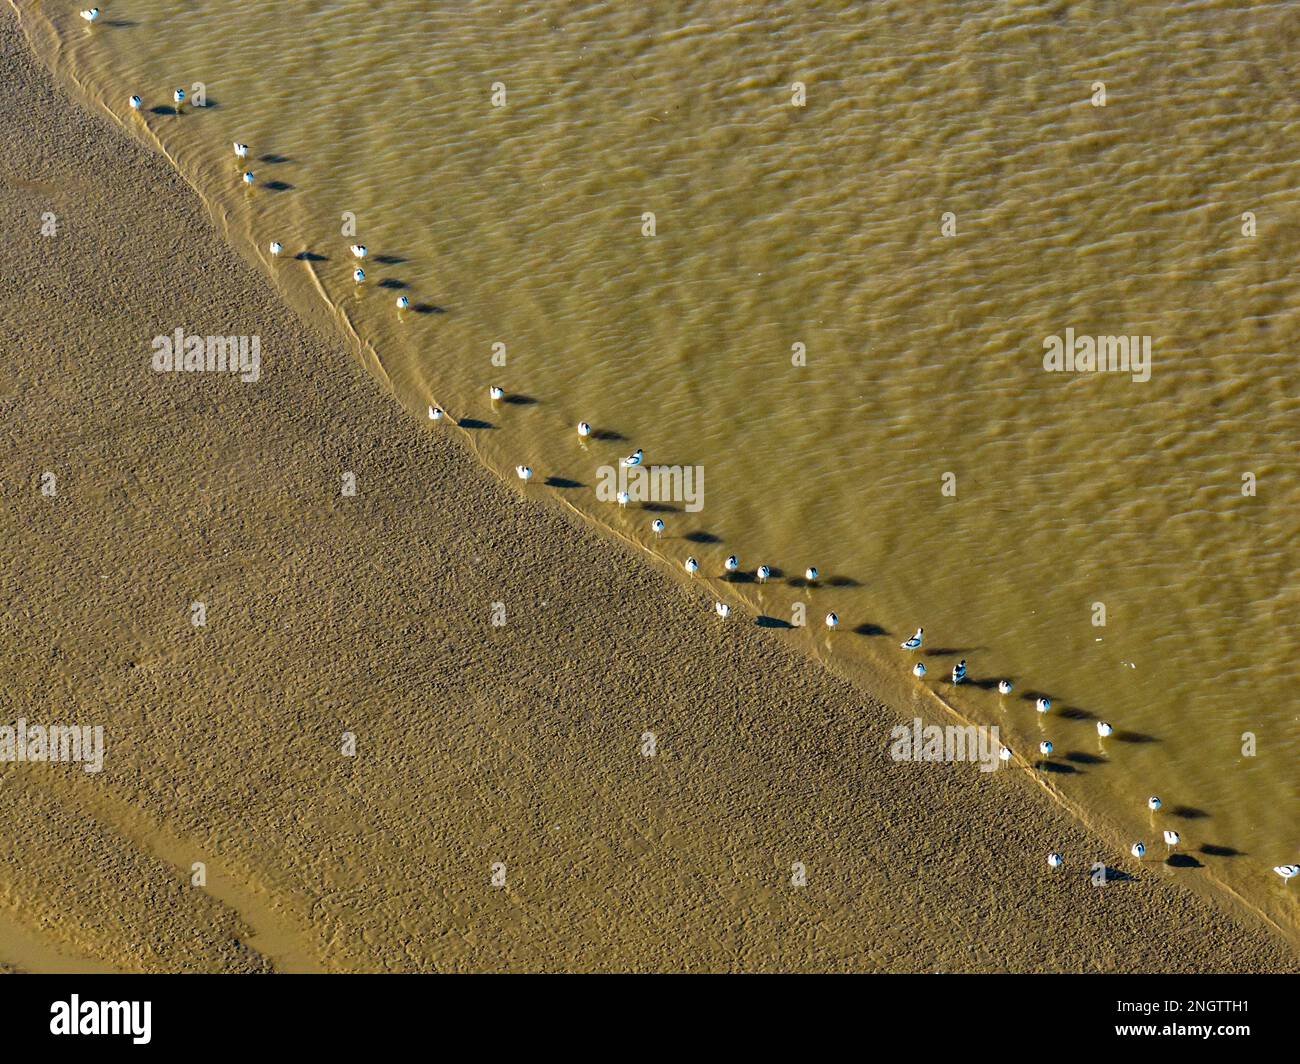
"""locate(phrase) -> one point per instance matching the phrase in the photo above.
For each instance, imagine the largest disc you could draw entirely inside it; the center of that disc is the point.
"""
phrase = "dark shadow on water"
(474, 423)
(607, 435)
(120, 24)
(1210, 850)
(950, 652)
(393, 283)
(162, 110)
(1187, 812)
(273, 159)
(661, 508)
(1080, 758)
(1183, 860)
(773, 622)
(870, 629)
(277, 186)
(842, 581)
(563, 482)
(1056, 766)
(702, 537)
(521, 400)
(428, 308)
(1075, 713)
(390, 260)
(311, 256)
(739, 577)
(984, 685)
(1134, 737)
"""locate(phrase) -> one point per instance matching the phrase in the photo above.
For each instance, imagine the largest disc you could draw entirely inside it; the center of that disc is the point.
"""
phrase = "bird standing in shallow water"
(691, 566)
(731, 564)
(832, 621)
(1172, 839)
(810, 574)
(1154, 804)
(241, 150)
(1138, 850)
(91, 15)
(178, 98)
(1104, 729)
(524, 473)
(359, 276)
(276, 248)
(657, 527)
(1004, 687)
(1045, 748)
(435, 413)
(635, 458)
(1043, 705)
(249, 178)
(623, 498)
(584, 430)
(918, 669)
(136, 103)
(403, 303)
(763, 574)
(959, 671)
(359, 251)
(915, 642)
(496, 394)
(1288, 872)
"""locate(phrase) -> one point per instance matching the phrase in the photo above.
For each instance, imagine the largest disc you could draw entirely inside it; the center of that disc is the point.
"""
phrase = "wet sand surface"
(477, 745)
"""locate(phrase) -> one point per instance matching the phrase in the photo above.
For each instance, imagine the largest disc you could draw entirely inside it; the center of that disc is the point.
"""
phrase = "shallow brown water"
(820, 225)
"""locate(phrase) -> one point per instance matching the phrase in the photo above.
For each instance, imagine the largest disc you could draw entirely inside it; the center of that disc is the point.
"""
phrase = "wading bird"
(731, 564)
(1104, 729)
(657, 527)
(1054, 860)
(1045, 748)
(91, 14)
(584, 430)
(241, 150)
(1172, 839)
(1004, 687)
(359, 251)
(810, 574)
(359, 276)
(276, 247)
(1288, 872)
(1138, 850)
(1154, 804)
(403, 303)
(136, 103)
(959, 671)
(249, 178)
(722, 610)
(918, 669)
(435, 413)
(178, 98)
(1043, 705)
(832, 621)
(763, 574)
(496, 394)
(691, 566)
(634, 459)
(524, 472)
(915, 642)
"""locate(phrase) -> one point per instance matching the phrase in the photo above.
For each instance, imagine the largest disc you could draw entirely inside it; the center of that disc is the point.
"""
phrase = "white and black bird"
(1004, 687)
(1043, 705)
(959, 671)
(359, 251)
(1138, 850)
(811, 574)
(584, 430)
(722, 610)
(496, 394)
(1172, 838)
(91, 14)
(276, 248)
(763, 573)
(657, 526)
(832, 621)
(623, 498)
(731, 564)
(691, 566)
(250, 178)
(524, 473)
(136, 103)
(1045, 748)
(1055, 860)
(1004, 753)
(178, 98)
(1104, 729)
(915, 642)
(435, 413)
(918, 670)
(1288, 872)
(241, 150)
(635, 458)
(1154, 803)
(403, 303)
(359, 276)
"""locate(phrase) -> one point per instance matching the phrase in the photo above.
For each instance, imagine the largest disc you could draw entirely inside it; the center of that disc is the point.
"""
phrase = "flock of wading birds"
(732, 565)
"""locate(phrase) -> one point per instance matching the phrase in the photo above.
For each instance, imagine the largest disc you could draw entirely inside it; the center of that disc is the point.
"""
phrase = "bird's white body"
(523, 472)
(731, 564)
(435, 413)
(359, 251)
(1005, 753)
(136, 103)
(763, 574)
(1288, 872)
(623, 498)
(276, 247)
(691, 565)
(1004, 687)
(918, 669)
(1138, 850)
(635, 458)
(1043, 705)
(496, 394)
(90, 14)
(722, 610)
(1154, 803)
(1172, 839)
(1045, 747)
(810, 574)
(178, 98)
(359, 276)
(915, 642)
(832, 621)
(584, 430)
(403, 303)
(241, 150)
(1104, 729)
(959, 671)
(657, 527)
(1054, 860)
(249, 178)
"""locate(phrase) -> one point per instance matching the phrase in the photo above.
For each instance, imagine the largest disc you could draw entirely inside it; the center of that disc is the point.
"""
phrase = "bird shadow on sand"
(1075, 713)
(773, 622)
(739, 577)
(1183, 860)
(120, 24)
(1115, 875)
(474, 423)
(702, 537)
(311, 256)
(949, 652)
(870, 629)
(1081, 758)
(563, 482)
(162, 109)
(608, 436)
(1187, 812)
(1134, 737)
(1211, 850)
(521, 400)
(985, 685)
(1057, 767)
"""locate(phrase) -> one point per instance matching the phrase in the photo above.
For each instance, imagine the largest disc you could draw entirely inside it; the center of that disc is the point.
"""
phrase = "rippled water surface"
(822, 226)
